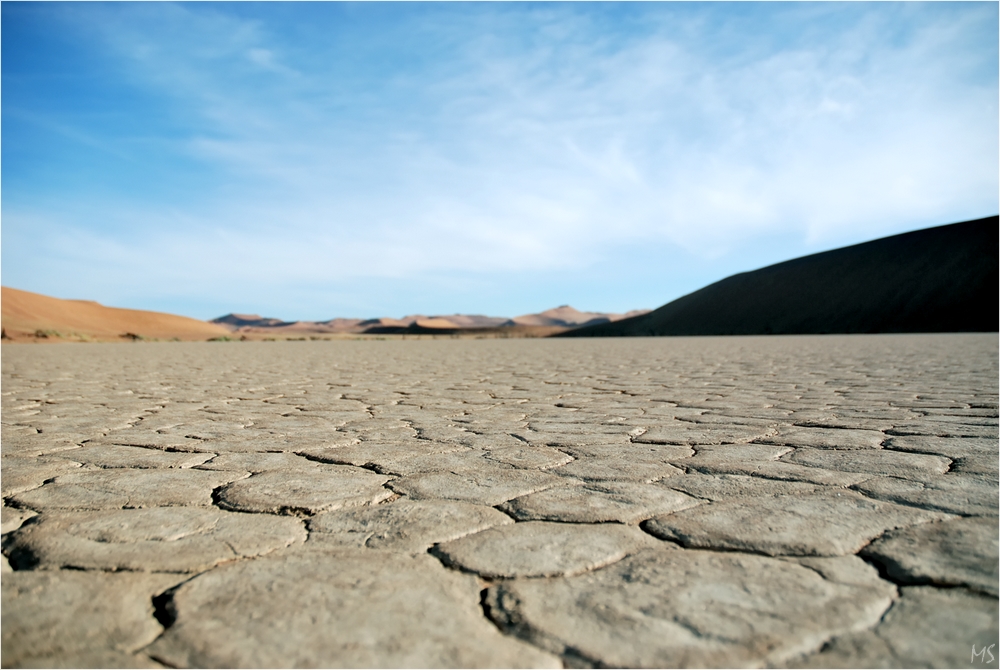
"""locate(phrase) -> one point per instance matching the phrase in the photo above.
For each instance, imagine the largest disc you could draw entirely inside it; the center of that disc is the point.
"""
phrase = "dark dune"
(941, 279)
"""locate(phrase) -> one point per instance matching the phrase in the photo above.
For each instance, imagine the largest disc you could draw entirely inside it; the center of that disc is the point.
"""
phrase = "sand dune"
(250, 320)
(254, 325)
(941, 279)
(35, 317)
(436, 322)
(463, 320)
(569, 317)
(39, 318)
(534, 325)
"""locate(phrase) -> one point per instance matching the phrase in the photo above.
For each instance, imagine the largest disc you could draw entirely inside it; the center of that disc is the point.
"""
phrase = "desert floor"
(784, 501)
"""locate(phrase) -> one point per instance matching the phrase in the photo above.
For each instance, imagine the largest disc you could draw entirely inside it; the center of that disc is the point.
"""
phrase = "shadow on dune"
(941, 279)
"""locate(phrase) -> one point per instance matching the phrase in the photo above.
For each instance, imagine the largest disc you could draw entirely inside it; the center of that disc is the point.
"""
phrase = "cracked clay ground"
(782, 501)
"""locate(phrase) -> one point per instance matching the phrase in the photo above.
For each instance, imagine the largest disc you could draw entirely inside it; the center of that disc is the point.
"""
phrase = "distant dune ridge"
(553, 320)
(252, 320)
(571, 318)
(34, 316)
(941, 279)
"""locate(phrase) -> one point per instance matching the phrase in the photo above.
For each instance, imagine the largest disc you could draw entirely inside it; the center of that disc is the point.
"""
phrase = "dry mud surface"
(738, 502)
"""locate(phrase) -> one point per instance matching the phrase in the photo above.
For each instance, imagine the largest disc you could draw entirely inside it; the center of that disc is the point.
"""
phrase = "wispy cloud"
(386, 146)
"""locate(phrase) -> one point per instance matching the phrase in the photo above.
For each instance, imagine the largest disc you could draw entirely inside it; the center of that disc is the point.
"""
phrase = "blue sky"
(314, 160)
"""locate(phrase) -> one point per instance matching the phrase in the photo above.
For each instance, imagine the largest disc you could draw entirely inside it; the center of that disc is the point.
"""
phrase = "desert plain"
(783, 501)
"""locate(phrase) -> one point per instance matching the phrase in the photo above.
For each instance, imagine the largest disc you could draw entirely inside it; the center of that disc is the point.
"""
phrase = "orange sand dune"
(33, 317)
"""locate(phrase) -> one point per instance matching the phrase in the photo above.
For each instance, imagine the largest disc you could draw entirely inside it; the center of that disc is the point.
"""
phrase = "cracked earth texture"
(786, 501)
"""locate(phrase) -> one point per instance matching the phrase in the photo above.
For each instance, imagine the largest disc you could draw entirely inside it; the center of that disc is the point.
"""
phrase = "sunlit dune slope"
(26, 314)
(941, 279)
(569, 317)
